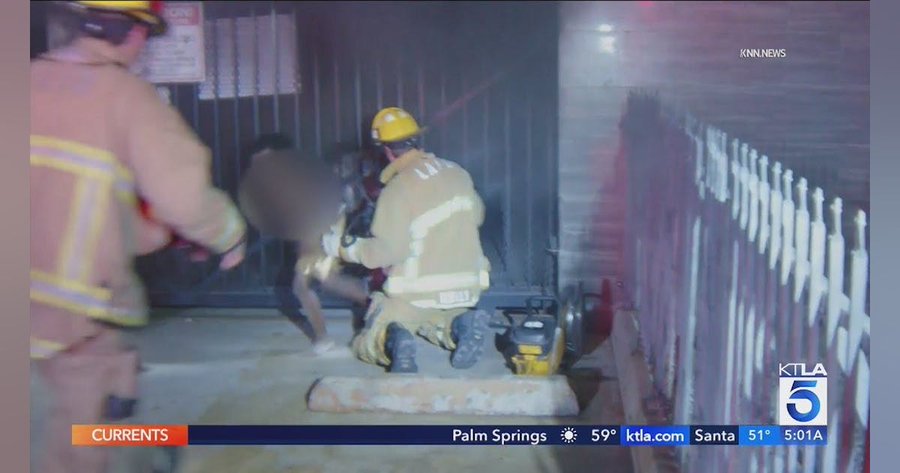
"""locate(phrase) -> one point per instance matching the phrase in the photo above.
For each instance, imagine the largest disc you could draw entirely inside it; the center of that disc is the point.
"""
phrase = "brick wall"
(808, 110)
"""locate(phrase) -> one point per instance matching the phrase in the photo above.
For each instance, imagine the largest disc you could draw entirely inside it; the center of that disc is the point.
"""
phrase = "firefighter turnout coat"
(102, 138)
(426, 233)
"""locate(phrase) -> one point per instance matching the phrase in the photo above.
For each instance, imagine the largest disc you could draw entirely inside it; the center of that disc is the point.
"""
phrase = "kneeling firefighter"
(425, 233)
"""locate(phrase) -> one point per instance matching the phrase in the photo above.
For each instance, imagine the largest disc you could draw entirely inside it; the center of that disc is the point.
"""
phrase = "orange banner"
(129, 435)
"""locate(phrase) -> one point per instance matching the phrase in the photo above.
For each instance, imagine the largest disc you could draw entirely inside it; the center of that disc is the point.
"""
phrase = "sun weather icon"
(568, 435)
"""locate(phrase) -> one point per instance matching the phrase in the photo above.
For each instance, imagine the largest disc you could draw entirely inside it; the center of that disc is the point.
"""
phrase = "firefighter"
(425, 232)
(102, 140)
(299, 209)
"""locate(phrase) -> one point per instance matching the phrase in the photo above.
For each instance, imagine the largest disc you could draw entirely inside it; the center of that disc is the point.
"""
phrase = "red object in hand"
(195, 252)
(145, 209)
(147, 214)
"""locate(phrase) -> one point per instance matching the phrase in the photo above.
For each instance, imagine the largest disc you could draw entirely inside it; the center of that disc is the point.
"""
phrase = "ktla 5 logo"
(802, 394)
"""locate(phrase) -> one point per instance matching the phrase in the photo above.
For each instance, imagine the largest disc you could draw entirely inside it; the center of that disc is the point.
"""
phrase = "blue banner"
(629, 435)
(402, 435)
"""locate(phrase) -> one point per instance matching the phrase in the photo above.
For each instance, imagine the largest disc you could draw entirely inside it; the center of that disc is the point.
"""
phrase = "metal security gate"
(481, 76)
(740, 265)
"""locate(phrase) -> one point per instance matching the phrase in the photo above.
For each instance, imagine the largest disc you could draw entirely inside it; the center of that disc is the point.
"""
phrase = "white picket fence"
(750, 271)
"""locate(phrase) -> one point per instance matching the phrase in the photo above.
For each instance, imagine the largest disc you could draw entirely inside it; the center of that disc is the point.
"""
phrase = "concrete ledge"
(636, 385)
(501, 396)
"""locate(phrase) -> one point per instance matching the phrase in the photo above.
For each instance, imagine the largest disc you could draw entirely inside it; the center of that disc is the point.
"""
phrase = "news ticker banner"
(624, 435)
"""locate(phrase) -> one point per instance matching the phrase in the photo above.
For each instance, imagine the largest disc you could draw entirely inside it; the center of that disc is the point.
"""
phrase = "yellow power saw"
(548, 337)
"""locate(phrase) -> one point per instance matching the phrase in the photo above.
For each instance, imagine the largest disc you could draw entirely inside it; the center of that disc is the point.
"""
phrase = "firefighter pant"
(80, 380)
(431, 324)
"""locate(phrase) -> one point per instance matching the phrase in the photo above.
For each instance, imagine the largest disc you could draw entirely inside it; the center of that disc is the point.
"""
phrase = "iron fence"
(740, 266)
(489, 102)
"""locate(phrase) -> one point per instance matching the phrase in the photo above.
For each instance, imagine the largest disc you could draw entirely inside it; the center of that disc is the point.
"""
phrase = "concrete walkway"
(257, 367)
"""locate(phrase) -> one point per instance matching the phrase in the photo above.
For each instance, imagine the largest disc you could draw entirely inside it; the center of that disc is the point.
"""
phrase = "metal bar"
(195, 102)
(257, 73)
(316, 98)
(357, 92)
(486, 137)
(464, 155)
(529, 195)
(276, 94)
(463, 98)
(553, 201)
(443, 66)
(400, 81)
(237, 125)
(297, 85)
(336, 79)
(256, 70)
(217, 74)
(507, 187)
(379, 95)
(421, 95)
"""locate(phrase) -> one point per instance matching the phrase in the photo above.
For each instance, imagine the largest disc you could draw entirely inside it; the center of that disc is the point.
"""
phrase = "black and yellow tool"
(548, 337)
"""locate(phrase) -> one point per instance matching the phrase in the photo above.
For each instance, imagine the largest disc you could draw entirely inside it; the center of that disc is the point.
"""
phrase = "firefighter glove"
(331, 244)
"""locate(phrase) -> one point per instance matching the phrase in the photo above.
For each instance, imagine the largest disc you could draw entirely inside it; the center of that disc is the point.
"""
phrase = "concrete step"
(501, 396)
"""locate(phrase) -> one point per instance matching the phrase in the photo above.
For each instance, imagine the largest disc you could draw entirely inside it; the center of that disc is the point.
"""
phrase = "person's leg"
(285, 295)
(386, 338)
(312, 308)
(93, 382)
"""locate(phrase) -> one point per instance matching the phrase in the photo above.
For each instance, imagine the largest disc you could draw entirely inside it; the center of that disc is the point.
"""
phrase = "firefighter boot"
(468, 332)
(400, 346)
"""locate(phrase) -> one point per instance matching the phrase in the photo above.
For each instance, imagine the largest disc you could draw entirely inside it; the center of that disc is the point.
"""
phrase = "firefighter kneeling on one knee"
(425, 233)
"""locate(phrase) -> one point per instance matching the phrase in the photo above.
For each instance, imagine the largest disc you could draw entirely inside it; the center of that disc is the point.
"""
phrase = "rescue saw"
(548, 337)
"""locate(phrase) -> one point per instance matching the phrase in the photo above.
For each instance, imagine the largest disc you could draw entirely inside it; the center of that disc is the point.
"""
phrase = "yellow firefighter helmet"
(147, 12)
(394, 124)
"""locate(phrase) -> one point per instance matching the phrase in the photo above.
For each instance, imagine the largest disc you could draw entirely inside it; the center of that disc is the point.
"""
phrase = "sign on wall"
(179, 56)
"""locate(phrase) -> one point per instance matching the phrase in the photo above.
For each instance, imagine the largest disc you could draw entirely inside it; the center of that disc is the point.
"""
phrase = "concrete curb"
(496, 396)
